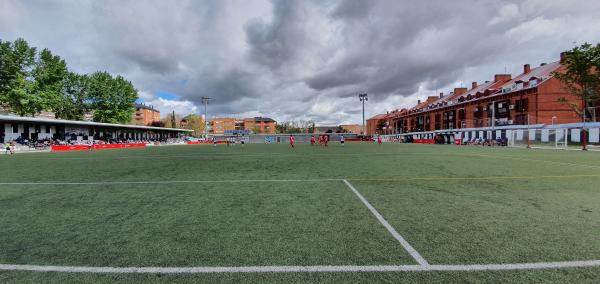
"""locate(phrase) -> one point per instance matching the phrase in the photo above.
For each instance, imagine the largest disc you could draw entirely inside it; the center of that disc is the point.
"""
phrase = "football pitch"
(269, 213)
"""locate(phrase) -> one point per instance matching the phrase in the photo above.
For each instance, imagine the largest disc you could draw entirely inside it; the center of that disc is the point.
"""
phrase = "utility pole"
(205, 101)
(363, 98)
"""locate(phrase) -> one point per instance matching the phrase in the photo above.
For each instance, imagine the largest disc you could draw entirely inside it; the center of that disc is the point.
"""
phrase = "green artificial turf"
(454, 205)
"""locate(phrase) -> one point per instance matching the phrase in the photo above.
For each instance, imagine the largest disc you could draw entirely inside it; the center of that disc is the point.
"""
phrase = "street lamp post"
(363, 98)
(205, 101)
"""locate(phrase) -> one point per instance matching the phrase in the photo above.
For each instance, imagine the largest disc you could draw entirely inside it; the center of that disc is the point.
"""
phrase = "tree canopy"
(581, 77)
(32, 82)
(299, 126)
(195, 122)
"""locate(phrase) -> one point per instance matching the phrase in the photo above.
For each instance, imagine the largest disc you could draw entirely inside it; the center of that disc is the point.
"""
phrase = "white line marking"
(414, 253)
(298, 180)
(169, 181)
(316, 268)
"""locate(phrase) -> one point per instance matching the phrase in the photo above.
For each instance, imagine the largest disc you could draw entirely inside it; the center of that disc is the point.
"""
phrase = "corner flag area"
(270, 213)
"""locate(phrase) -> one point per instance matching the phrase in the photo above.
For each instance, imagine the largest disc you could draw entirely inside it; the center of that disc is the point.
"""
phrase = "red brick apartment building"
(145, 115)
(258, 125)
(530, 98)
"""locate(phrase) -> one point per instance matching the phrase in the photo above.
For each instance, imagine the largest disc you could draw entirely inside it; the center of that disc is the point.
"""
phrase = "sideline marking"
(472, 178)
(169, 181)
(537, 160)
(296, 180)
(414, 253)
(315, 268)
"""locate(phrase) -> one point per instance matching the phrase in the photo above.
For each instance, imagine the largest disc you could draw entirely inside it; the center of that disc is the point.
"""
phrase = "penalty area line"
(316, 268)
(413, 252)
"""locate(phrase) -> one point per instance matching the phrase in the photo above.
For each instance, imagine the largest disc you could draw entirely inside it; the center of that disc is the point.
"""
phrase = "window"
(15, 128)
(48, 128)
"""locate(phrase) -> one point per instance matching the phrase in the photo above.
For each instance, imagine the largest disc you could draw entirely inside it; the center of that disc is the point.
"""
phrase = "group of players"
(324, 140)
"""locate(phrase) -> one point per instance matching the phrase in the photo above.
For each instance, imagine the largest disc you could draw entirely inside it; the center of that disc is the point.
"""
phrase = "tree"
(581, 78)
(196, 123)
(170, 121)
(173, 120)
(49, 74)
(17, 90)
(73, 102)
(111, 99)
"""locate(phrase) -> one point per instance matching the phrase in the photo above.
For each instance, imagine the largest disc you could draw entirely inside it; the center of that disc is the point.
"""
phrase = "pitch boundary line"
(295, 180)
(315, 268)
(167, 181)
(413, 252)
(473, 178)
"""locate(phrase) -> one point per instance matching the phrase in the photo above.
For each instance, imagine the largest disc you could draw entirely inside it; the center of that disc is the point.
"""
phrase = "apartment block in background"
(145, 115)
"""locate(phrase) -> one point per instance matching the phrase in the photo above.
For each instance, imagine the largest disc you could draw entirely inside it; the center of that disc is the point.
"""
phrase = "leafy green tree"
(17, 90)
(111, 99)
(581, 78)
(73, 102)
(196, 123)
(49, 74)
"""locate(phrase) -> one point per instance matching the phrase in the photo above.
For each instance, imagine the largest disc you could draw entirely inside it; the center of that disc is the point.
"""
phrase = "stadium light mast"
(205, 101)
(363, 98)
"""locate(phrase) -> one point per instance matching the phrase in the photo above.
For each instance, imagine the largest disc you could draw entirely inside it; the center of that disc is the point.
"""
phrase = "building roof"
(377, 117)
(263, 119)
(12, 118)
(542, 73)
(143, 106)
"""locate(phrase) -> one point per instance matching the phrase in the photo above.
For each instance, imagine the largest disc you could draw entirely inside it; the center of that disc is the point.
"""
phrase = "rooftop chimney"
(543, 64)
(502, 78)
(460, 91)
(419, 102)
(473, 85)
(441, 95)
(526, 68)
(563, 56)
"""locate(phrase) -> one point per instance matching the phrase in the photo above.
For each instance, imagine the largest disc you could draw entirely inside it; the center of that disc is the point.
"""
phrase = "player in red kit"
(292, 141)
(379, 139)
(320, 140)
(312, 140)
(326, 139)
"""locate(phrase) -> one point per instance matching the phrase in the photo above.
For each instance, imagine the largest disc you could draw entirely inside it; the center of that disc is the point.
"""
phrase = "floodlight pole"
(205, 101)
(363, 98)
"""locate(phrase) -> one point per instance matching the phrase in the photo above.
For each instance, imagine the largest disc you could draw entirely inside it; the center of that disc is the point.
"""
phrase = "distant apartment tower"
(221, 125)
(145, 115)
(258, 125)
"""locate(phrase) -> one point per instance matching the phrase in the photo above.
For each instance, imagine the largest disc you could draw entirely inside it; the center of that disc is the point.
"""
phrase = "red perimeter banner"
(57, 148)
(424, 141)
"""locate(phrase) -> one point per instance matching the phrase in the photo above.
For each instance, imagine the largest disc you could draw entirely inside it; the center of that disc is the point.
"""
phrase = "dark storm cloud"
(301, 59)
(279, 41)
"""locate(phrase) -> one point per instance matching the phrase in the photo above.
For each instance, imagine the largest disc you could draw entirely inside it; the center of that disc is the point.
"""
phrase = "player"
(292, 141)
(325, 139)
(342, 140)
(312, 140)
(379, 139)
(320, 140)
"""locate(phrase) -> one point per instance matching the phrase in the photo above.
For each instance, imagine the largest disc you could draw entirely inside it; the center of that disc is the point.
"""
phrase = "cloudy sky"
(300, 59)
